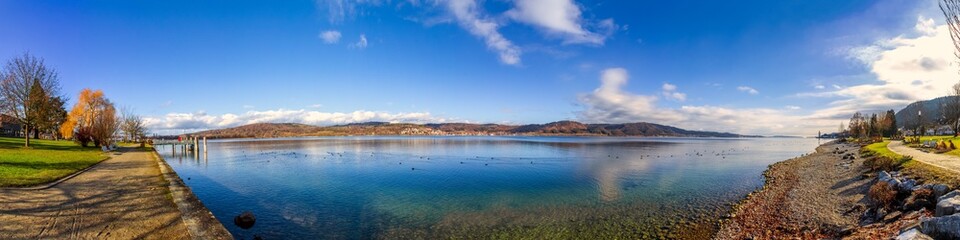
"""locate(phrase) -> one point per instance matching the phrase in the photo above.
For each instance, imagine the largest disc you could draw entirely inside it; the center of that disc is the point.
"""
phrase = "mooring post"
(204, 145)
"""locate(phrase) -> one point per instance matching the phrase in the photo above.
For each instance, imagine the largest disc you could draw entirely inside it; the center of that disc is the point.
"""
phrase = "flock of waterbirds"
(267, 156)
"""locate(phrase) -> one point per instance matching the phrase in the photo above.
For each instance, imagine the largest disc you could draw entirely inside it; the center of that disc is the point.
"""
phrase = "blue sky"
(758, 67)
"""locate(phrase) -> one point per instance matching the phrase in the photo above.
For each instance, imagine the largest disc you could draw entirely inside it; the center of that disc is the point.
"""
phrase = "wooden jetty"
(189, 144)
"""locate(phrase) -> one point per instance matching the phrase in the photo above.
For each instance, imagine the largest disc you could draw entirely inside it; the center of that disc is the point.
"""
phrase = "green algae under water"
(479, 187)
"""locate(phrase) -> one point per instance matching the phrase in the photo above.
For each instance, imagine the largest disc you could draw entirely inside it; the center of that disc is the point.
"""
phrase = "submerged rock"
(946, 227)
(245, 220)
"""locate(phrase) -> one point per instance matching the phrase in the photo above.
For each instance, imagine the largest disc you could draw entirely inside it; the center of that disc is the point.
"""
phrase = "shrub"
(881, 163)
(882, 194)
(951, 145)
(83, 136)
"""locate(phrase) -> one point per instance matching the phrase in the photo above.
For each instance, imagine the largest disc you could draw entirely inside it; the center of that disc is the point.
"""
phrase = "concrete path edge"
(199, 220)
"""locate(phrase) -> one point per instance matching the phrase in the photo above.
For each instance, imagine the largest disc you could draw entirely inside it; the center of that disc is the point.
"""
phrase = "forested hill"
(561, 128)
(931, 112)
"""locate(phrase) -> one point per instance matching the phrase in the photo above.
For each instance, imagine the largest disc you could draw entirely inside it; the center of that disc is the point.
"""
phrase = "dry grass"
(930, 174)
(882, 194)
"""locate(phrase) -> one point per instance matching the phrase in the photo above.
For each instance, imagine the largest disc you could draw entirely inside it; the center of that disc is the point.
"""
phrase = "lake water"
(479, 187)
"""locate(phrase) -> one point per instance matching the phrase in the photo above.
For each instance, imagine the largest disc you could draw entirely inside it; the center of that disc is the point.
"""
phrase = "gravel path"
(944, 161)
(121, 198)
(810, 197)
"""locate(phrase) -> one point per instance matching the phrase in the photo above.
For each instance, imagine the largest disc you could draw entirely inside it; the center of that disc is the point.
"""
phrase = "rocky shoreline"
(835, 194)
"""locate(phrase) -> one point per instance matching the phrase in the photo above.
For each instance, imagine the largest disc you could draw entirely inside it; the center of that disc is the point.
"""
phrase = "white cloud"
(747, 89)
(792, 107)
(669, 87)
(202, 120)
(330, 37)
(907, 68)
(819, 86)
(670, 92)
(610, 104)
(469, 16)
(316, 105)
(560, 18)
(362, 43)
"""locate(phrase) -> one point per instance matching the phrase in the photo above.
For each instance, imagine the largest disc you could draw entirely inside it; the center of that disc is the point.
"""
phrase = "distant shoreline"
(592, 136)
(561, 128)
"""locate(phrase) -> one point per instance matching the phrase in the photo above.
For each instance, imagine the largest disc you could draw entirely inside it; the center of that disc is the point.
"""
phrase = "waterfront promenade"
(124, 197)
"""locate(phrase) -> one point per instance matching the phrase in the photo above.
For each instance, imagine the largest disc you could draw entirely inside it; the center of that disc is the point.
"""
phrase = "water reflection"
(375, 187)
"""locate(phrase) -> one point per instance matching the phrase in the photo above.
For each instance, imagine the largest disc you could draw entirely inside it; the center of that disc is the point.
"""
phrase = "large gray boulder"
(913, 234)
(894, 183)
(947, 206)
(952, 194)
(884, 176)
(939, 189)
(946, 227)
(907, 185)
(891, 179)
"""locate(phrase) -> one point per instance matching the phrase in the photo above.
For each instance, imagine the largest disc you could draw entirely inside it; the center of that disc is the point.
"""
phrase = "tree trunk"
(26, 136)
(36, 133)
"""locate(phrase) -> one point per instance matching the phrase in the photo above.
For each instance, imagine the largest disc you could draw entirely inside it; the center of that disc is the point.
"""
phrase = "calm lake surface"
(501, 187)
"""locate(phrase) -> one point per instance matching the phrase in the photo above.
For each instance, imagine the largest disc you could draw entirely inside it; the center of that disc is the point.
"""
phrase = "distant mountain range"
(561, 128)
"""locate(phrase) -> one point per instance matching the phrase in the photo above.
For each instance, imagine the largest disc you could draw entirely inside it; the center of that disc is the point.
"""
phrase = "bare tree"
(951, 111)
(132, 125)
(951, 11)
(19, 76)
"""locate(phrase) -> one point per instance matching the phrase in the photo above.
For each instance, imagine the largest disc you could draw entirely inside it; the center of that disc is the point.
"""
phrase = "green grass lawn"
(45, 161)
(915, 168)
(881, 149)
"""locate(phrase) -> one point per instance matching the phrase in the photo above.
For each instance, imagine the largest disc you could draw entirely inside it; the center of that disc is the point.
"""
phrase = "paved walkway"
(121, 198)
(944, 161)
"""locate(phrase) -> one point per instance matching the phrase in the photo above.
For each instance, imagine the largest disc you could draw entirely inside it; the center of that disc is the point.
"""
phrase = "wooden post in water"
(196, 148)
(204, 145)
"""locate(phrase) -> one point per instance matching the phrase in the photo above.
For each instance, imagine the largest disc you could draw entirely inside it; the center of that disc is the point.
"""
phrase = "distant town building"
(10, 127)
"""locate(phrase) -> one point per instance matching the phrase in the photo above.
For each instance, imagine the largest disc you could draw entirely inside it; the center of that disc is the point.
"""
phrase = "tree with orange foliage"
(92, 119)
